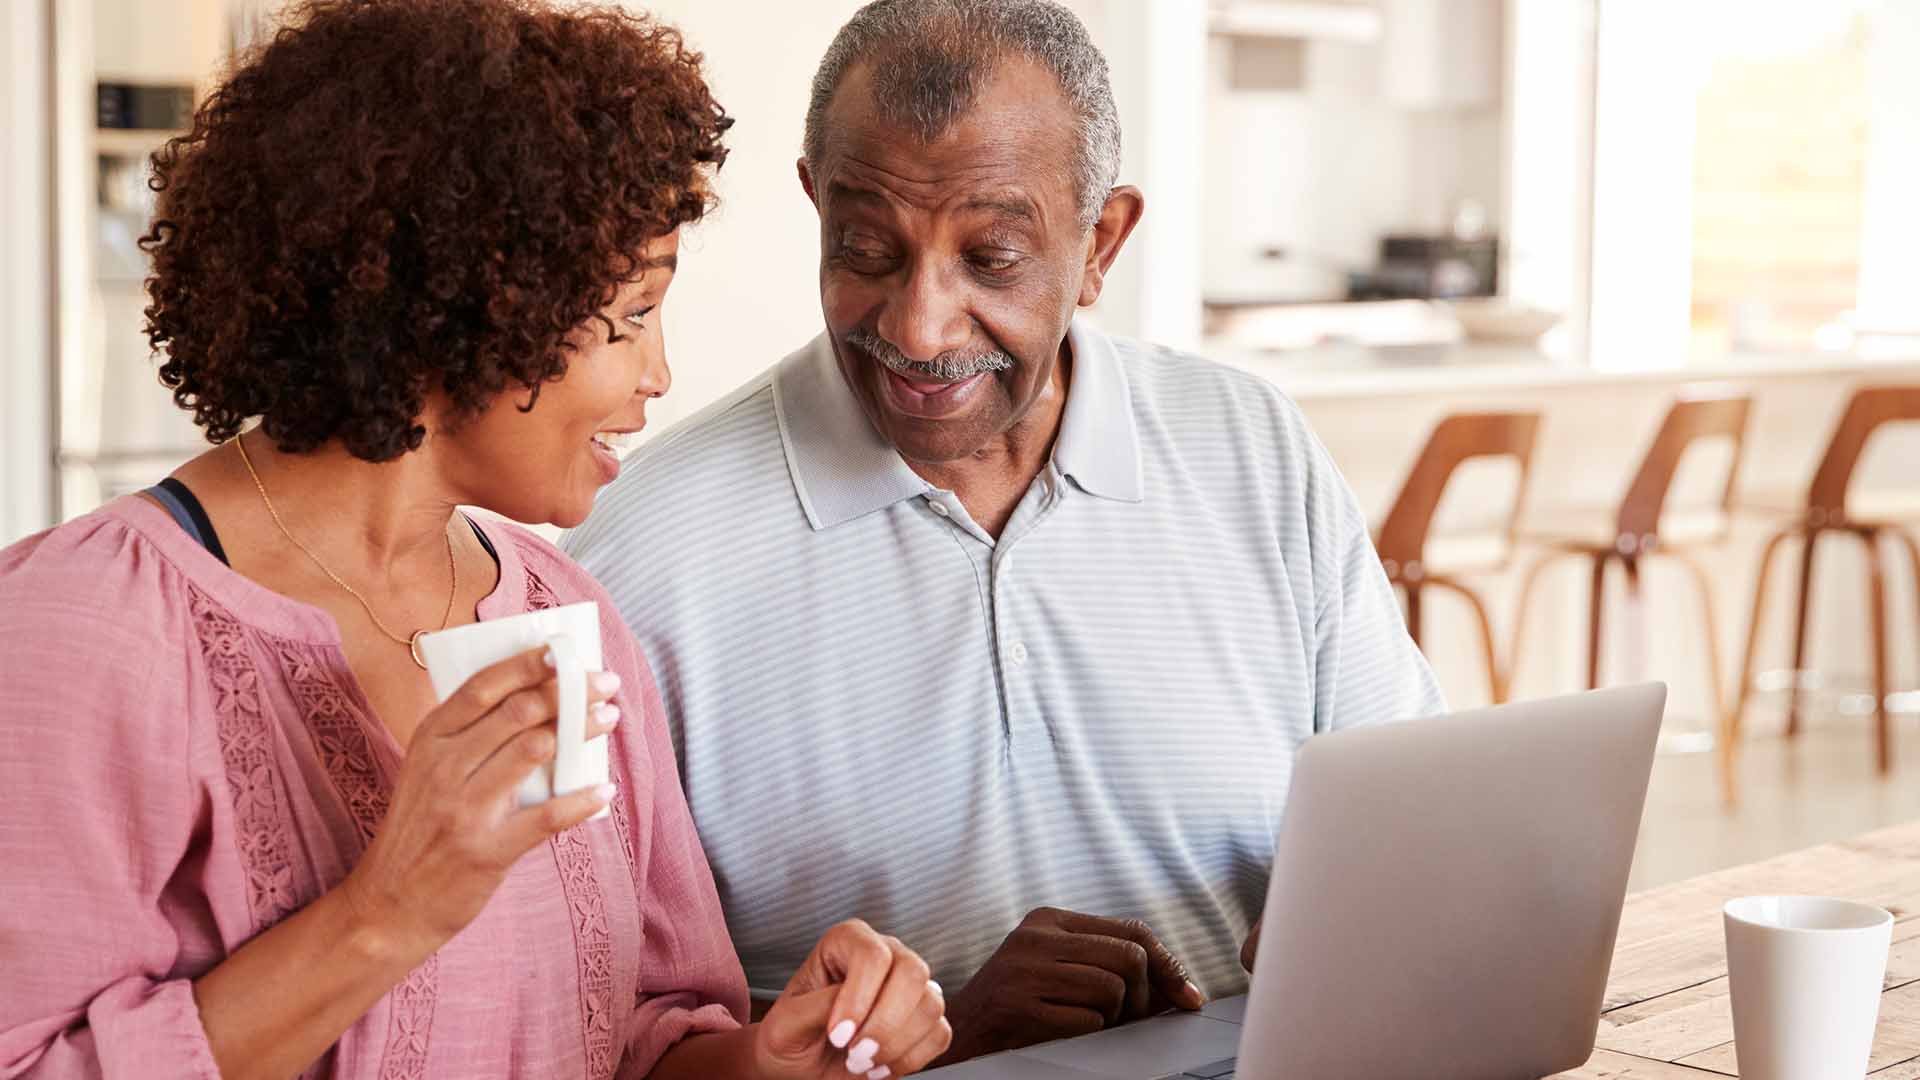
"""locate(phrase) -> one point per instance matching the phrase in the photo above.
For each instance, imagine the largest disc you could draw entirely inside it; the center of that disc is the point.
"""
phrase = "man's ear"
(1122, 212)
(806, 182)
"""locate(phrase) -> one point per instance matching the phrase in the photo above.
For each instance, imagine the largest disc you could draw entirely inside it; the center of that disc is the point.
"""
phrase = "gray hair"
(931, 58)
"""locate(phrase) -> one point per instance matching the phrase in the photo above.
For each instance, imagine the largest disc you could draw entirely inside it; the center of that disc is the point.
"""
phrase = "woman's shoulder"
(104, 562)
(91, 612)
(98, 685)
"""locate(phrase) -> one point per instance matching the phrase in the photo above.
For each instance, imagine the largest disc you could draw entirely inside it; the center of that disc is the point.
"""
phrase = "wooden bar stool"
(1829, 510)
(1415, 561)
(1641, 527)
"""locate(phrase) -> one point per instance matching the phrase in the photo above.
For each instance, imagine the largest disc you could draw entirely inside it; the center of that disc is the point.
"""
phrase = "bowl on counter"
(1496, 320)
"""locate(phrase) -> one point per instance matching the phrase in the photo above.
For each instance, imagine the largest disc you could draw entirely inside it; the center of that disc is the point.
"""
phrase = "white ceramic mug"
(573, 634)
(1805, 973)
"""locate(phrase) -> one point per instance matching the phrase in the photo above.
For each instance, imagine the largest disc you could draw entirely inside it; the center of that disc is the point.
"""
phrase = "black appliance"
(1429, 267)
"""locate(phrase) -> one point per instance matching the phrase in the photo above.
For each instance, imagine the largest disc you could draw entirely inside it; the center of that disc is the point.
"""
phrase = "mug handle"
(571, 724)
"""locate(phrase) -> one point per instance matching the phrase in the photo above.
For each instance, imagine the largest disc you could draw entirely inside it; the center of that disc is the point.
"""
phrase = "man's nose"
(927, 317)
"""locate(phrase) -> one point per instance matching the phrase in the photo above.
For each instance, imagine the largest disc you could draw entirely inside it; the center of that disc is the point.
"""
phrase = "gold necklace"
(412, 643)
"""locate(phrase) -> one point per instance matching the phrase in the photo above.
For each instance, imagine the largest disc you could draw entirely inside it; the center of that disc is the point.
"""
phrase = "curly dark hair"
(391, 197)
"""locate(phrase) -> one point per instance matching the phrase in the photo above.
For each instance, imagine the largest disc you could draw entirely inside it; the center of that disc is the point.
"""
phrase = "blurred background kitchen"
(1554, 218)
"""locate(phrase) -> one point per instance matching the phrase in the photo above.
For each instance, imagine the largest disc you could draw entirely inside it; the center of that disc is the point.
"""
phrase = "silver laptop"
(1443, 904)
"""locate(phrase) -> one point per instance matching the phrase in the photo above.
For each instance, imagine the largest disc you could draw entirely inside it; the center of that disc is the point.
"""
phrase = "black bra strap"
(484, 542)
(186, 509)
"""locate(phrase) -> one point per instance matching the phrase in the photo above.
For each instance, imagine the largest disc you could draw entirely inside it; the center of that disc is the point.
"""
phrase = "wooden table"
(1667, 1013)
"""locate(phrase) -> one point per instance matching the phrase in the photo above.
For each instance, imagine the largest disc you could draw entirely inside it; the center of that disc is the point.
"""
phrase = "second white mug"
(1805, 974)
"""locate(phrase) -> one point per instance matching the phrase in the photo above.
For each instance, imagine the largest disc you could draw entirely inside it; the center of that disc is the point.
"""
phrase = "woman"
(426, 244)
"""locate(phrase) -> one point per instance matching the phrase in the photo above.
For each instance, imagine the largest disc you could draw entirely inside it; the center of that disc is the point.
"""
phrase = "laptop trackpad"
(1149, 1048)
(1231, 1009)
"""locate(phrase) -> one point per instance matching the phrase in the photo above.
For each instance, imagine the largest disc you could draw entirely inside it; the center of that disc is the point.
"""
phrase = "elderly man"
(973, 621)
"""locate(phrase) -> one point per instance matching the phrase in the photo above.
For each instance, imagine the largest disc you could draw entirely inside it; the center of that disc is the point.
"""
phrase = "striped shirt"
(882, 712)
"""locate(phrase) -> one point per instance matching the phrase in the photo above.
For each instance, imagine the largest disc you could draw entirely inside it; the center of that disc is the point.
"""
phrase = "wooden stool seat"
(1864, 509)
(1591, 529)
(1453, 554)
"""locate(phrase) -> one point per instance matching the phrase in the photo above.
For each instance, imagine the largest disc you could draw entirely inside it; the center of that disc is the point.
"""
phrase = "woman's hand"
(862, 1004)
(454, 829)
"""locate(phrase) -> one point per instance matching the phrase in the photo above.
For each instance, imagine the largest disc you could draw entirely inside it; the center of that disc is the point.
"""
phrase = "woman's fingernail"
(880, 1073)
(605, 682)
(606, 714)
(860, 1058)
(841, 1034)
(548, 657)
(603, 792)
(1194, 991)
(935, 987)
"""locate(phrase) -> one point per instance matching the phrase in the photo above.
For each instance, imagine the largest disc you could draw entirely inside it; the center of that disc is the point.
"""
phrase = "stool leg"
(1723, 736)
(1527, 587)
(1635, 668)
(1877, 586)
(1414, 619)
(1710, 625)
(1744, 687)
(1800, 630)
(1913, 560)
(1496, 682)
(1595, 596)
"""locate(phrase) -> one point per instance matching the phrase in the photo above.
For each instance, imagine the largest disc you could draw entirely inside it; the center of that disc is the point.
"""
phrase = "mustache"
(947, 367)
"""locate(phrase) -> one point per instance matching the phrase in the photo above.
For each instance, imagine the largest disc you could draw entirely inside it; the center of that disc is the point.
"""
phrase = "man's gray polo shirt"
(880, 712)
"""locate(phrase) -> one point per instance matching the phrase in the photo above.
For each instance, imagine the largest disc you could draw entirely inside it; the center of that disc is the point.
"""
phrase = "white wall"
(26, 473)
(1549, 157)
(1157, 53)
(1651, 66)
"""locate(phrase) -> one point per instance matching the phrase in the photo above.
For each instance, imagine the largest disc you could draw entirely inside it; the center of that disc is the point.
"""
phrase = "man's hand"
(1252, 947)
(1061, 974)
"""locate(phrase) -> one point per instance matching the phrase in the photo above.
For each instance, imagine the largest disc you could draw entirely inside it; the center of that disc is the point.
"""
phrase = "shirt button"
(1006, 564)
(939, 508)
(1018, 654)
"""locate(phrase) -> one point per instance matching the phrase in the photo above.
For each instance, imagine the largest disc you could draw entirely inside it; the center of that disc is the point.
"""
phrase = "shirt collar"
(1098, 446)
(842, 469)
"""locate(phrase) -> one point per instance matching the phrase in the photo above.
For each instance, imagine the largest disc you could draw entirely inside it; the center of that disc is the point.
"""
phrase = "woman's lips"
(930, 399)
(607, 461)
(605, 457)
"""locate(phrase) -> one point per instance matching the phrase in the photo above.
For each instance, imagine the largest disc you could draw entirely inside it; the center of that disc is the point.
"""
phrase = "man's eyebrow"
(839, 191)
(1006, 206)
(1012, 207)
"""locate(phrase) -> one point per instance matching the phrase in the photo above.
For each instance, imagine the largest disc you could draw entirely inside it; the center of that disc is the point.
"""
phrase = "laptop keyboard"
(1219, 1070)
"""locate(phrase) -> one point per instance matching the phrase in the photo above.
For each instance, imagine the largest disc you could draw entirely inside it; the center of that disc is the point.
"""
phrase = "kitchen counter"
(1342, 370)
